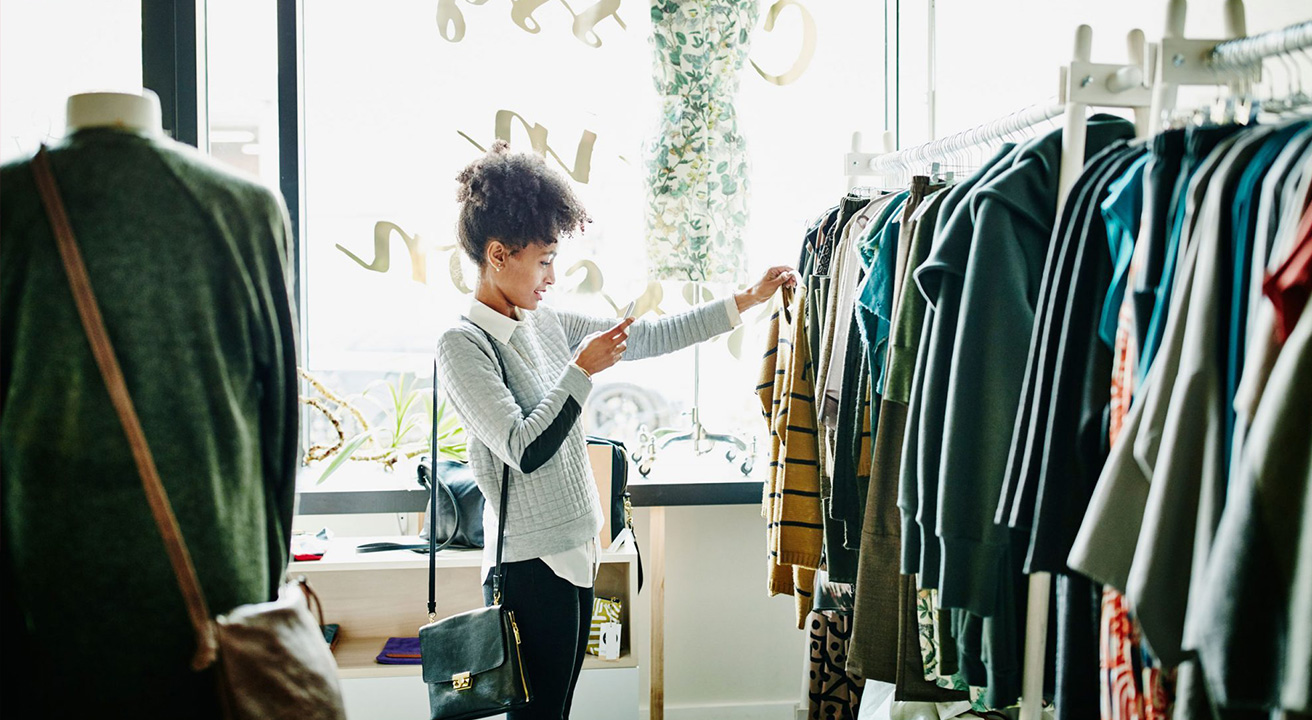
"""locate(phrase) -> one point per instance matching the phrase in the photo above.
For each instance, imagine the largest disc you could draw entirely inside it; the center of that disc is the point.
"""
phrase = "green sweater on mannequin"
(189, 264)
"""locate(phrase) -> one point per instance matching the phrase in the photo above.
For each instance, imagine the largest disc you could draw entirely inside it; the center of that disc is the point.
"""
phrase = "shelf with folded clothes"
(374, 596)
(356, 659)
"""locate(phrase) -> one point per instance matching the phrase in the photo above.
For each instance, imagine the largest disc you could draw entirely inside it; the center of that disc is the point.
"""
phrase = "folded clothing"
(400, 651)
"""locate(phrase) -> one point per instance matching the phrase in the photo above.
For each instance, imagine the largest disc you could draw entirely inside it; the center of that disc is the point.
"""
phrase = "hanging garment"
(840, 562)
(1188, 479)
(1072, 446)
(910, 684)
(1036, 412)
(1161, 175)
(1104, 547)
(1262, 346)
(885, 612)
(938, 650)
(1132, 687)
(1255, 632)
(903, 367)
(1287, 286)
(1014, 218)
(1245, 213)
(855, 217)
(940, 278)
(698, 184)
(1199, 143)
(1262, 680)
(852, 438)
(1121, 212)
(833, 694)
(791, 505)
(847, 269)
(1075, 442)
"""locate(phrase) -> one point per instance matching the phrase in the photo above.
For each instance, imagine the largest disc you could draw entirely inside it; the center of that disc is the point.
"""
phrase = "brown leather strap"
(103, 350)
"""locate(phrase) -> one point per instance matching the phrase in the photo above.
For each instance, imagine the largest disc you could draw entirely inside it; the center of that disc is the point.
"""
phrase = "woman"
(513, 209)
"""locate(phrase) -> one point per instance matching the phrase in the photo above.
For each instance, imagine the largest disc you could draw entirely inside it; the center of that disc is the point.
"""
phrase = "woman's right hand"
(601, 350)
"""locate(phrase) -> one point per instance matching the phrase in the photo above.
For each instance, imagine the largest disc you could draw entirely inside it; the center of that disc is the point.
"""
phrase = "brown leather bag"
(272, 659)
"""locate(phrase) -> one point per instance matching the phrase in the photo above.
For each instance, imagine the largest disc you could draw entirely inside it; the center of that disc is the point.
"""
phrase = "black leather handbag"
(459, 506)
(471, 661)
(459, 509)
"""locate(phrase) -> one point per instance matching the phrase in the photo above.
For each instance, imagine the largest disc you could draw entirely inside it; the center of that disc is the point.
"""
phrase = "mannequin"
(189, 264)
(138, 113)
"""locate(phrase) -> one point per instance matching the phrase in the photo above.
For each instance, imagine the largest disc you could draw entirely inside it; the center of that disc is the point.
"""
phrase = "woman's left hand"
(774, 278)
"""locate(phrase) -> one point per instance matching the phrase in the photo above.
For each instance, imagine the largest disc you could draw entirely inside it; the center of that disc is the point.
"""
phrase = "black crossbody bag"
(471, 661)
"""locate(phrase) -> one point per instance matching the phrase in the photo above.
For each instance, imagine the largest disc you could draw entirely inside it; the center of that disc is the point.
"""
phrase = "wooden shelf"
(341, 556)
(356, 659)
(374, 596)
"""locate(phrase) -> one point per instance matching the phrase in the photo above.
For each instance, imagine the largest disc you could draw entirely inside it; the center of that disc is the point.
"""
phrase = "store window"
(241, 45)
(398, 97)
(43, 60)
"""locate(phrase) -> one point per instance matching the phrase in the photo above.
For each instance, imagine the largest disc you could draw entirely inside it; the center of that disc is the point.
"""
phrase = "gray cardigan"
(529, 420)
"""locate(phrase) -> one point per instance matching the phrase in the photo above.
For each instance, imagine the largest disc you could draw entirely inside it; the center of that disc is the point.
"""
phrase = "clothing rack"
(1247, 51)
(889, 163)
(1148, 85)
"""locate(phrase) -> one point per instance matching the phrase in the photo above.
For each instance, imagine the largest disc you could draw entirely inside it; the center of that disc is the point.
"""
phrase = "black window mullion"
(290, 158)
(171, 65)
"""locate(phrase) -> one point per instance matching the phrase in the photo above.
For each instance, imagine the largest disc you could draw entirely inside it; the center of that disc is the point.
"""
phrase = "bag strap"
(434, 479)
(498, 570)
(94, 325)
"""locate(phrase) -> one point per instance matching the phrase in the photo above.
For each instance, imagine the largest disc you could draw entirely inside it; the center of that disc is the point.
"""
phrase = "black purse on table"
(460, 516)
(458, 509)
(471, 661)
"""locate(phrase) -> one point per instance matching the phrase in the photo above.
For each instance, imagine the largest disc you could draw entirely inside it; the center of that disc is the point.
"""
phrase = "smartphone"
(628, 311)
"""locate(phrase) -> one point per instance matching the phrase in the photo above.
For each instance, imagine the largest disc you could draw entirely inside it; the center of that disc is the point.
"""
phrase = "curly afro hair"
(516, 199)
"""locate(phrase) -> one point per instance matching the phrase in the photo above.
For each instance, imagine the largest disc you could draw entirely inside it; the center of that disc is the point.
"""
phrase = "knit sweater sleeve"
(649, 338)
(469, 373)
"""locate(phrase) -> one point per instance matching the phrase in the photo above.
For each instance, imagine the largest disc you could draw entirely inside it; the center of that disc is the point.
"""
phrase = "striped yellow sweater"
(791, 506)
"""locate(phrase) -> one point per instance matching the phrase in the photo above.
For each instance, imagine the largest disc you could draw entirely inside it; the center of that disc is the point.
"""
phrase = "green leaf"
(683, 39)
(343, 455)
(723, 167)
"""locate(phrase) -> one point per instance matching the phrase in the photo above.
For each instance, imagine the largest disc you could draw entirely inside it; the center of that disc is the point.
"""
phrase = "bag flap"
(454, 471)
(470, 642)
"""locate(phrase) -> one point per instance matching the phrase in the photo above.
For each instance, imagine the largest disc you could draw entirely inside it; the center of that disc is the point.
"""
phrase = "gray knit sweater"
(553, 503)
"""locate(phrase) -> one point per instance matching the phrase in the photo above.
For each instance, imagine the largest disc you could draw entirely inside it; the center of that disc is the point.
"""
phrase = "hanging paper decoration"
(697, 178)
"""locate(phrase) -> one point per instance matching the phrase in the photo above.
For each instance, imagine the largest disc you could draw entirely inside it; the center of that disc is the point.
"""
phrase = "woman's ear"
(496, 255)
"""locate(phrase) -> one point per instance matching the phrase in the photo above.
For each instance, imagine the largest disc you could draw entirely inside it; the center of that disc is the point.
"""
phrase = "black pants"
(554, 617)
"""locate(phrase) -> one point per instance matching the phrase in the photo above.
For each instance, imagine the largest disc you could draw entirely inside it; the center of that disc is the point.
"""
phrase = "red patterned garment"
(1133, 687)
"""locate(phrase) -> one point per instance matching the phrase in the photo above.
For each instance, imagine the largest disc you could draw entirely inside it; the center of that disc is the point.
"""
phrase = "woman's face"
(525, 276)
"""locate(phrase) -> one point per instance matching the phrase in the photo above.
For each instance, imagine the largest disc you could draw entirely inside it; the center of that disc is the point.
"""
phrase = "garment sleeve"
(280, 409)
(650, 338)
(471, 376)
